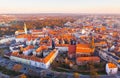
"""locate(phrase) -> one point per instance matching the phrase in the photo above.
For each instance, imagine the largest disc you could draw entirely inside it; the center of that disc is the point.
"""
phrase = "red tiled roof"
(83, 48)
(111, 65)
(41, 48)
(28, 47)
(47, 58)
(34, 58)
(88, 59)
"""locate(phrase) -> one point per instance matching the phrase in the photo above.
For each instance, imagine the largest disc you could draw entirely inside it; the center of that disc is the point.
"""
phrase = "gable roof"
(92, 58)
(83, 48)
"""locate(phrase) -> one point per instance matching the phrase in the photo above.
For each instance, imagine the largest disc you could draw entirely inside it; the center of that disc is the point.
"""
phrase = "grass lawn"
(9, 72)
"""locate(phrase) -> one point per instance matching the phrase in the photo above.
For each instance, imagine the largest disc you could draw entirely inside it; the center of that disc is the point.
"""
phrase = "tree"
(23, 76)
(76, 75)
(93, 73)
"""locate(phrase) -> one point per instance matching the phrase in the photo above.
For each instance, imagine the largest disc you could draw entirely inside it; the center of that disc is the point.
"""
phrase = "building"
(85, 60)
(28, 50)
(71, 51)
(83, 50)
(23, 37)
(35, 61)
(5, 40)
(40, 49)
(22, 31)
(84, 53)
(111, 69)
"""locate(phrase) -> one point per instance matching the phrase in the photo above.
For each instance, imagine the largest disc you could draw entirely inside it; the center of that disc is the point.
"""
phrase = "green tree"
(93, 73)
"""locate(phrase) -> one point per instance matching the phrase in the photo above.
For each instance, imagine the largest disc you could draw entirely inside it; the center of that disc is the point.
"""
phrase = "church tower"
(92, 43)
(25, 28)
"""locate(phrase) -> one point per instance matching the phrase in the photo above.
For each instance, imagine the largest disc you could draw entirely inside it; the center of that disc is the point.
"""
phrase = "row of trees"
(37, 24)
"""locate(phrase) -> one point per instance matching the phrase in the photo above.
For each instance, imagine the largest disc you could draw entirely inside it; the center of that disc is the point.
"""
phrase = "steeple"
(92, 43)
(25, 28)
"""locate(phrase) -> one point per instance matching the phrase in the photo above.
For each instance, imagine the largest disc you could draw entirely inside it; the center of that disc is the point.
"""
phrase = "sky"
(60, 6)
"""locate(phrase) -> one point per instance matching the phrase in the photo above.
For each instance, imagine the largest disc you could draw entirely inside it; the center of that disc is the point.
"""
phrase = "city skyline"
(60, 6)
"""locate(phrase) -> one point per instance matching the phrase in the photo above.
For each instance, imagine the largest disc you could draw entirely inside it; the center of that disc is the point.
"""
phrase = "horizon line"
(57, 13)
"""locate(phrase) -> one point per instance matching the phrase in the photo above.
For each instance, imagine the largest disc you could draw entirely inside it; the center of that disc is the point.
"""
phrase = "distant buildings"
(78, 39)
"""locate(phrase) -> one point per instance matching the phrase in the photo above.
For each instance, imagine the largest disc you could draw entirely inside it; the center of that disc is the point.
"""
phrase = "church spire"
(92, 43)
(25, 28)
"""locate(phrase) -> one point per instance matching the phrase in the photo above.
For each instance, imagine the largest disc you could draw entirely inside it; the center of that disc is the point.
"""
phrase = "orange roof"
(36, 59)
(27, 57)
(65, 36)
(111, 65)
(28, 47)
(89, 27)
(14, 53)
(17, 67)
(83, 45)
(88, 59)
(104, 36)
(23, 76)
(41, 48)
(44, 60)
(115, 33)
(45, 38)
(24, 36)
(62, 45)
(53, 32)
(47, 58)
(35, 36)
(36, 31)
(101, 43)
(20, 31)
(82, 37)
(83, 48)
(103, 28)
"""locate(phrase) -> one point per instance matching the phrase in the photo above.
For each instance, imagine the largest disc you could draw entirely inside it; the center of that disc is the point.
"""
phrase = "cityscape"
(46, 41)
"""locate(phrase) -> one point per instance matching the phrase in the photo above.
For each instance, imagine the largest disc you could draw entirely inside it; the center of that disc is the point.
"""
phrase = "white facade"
(111, 71)
(20, 39)
(29, 42)
(35, 63)
(15, 46)
(21, 60)
(62, 49)
(18, 33)
(27, 52)
(6, 40)
(112, 48)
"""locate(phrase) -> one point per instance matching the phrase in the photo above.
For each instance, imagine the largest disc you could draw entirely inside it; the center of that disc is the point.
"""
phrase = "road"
(109, 57)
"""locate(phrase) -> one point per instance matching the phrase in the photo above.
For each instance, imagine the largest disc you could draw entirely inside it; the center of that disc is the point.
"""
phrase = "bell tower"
(92, 43)
(25, 28)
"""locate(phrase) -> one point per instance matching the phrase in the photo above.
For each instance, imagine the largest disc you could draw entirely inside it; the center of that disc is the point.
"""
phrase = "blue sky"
(60, 6)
